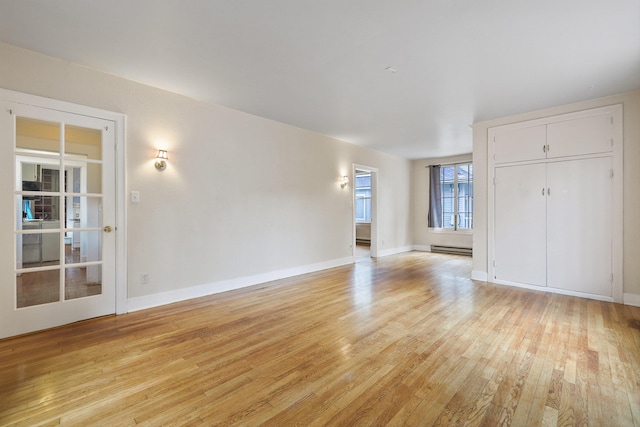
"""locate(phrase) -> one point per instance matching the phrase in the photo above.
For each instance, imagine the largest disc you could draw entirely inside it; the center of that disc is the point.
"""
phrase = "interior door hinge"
(11, 112)
(611, 173)
(611, 277)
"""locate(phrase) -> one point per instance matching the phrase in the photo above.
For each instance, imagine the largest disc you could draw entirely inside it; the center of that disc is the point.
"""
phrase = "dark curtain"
(434, 218)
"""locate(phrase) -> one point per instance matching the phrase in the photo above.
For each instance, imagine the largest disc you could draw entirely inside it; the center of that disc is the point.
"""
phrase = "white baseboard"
(554, 290)
(422, 248)
(393, 251)
(631, 299)
(162, 298)
(481, 276)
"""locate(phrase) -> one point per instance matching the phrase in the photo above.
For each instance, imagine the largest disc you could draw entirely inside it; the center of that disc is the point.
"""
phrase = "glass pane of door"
(37, 236)
(83, 233)
(38, 287)
(83, 275)
(37, 136)
(59, 205)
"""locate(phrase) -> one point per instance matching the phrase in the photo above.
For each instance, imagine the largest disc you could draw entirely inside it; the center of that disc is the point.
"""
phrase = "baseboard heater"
(451, 250)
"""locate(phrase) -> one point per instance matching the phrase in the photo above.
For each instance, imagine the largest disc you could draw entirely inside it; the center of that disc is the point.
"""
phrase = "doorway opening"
(365, 223)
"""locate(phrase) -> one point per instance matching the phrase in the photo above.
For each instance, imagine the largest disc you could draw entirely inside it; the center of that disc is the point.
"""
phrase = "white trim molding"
(481, 276)
(632, 299)
(163, 298)
(554, 290)
(394, 251)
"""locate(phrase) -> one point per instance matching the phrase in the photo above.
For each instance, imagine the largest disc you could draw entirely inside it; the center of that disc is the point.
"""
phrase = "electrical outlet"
(144, 278)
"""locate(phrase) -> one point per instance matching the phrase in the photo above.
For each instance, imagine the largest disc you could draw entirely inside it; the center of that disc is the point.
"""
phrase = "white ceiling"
(323, 65)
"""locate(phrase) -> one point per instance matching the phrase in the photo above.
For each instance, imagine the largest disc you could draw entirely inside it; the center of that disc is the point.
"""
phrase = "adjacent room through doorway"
(364, 212)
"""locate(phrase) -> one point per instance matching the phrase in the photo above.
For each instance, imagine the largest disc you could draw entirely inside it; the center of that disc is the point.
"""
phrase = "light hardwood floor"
(402, 340)
(363, 250)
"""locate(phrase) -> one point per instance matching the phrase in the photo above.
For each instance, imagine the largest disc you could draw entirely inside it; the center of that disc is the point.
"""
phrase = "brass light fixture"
(161, 160)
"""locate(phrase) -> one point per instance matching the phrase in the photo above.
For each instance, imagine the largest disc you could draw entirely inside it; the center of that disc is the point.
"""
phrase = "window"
(455, 193)
(363, 197)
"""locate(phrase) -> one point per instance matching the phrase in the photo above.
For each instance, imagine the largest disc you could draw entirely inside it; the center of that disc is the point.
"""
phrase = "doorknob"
(107, 229)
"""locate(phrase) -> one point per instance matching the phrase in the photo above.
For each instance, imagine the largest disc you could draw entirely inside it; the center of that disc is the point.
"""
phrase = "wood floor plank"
(404, 340)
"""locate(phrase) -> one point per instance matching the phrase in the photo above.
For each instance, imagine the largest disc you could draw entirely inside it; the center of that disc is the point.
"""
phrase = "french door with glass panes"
(63, 201)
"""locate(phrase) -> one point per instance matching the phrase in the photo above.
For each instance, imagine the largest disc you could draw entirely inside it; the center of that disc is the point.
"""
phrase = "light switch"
(135, 197)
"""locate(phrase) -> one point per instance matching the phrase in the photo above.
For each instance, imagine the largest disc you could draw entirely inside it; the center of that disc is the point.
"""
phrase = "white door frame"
(119, 121)
(374, 208)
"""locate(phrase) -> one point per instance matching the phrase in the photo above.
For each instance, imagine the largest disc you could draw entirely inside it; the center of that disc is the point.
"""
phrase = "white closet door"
(579, 228)
(520, 224)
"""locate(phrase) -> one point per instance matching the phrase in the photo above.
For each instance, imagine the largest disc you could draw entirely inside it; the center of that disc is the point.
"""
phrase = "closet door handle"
(543, 191)
(548, 191)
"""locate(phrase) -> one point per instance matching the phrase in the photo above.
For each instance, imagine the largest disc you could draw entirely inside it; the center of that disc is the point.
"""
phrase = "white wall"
(363, 231)
(631, 119)
(423, 237)
(242, 196)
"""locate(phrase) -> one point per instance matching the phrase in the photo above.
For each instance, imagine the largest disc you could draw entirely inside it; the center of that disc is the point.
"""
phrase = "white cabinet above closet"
(555, 206)
(586, 135)
(516, 144)
(564, 137)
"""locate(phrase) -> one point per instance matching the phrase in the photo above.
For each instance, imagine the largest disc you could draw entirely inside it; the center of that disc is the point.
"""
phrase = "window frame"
(456, 213)
(356, 198)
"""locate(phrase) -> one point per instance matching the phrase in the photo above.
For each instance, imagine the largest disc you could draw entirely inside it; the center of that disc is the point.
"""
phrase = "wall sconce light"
(344, 181)
(161, 160)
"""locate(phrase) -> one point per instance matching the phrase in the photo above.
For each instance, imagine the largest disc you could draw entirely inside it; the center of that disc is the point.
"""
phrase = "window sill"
(450, 231)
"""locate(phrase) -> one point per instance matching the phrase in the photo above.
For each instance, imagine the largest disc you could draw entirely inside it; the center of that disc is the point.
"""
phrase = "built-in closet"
(555, 203)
